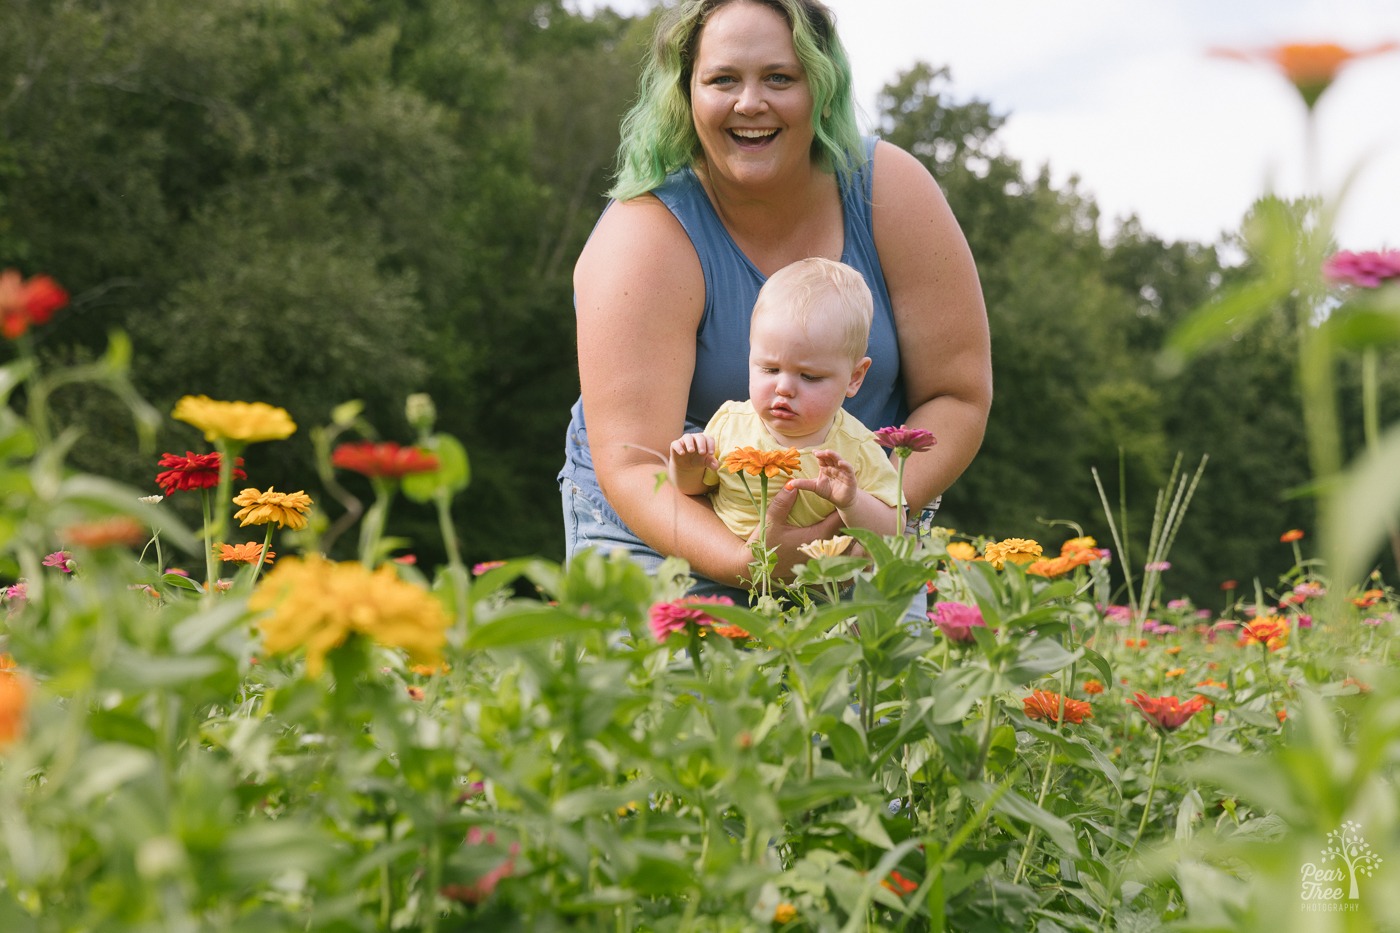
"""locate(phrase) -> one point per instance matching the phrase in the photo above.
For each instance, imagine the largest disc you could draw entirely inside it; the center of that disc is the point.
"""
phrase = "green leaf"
(531, 622)
(452, 476)
(1359, 512)
(1019, 808)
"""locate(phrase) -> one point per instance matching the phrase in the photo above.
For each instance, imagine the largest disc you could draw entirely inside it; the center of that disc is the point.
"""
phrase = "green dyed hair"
(658, 133)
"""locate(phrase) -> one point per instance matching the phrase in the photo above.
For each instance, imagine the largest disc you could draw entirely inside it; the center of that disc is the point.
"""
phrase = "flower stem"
(1151, 790)
(210, 568)
(262, 557)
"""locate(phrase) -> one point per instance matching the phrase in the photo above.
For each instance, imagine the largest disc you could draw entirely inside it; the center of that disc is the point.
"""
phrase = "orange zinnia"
(1309, 67)
(1270, 631)
(1042, 704)
(1167, 713)
(248, 553)
(757, 462)
(14, 700)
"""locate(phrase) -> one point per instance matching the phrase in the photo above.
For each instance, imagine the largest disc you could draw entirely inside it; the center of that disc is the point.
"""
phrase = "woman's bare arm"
(940, 317)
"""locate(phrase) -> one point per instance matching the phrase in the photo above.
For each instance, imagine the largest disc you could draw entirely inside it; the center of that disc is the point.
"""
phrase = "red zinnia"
(193, 471)
(1167, 713)
(899, 884)
(386, 460)
(1042, 704)
(24, 303)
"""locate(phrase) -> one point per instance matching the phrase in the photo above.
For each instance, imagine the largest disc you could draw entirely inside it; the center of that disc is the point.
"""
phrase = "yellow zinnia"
(961, 550)
(1015, 550)
(757, 462)
(287, 509)
(247, 422)
(317, 604)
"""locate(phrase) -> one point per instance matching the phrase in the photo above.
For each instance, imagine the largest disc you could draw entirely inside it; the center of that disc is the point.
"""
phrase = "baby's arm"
(837, 483)
(690, 456)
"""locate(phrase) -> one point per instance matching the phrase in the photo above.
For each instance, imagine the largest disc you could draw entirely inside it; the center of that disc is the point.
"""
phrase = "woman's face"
(750, 98)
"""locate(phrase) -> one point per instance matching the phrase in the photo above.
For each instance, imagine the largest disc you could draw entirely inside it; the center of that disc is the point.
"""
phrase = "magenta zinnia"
(1364, 270)
(193, 471)
(905, 440)
(957, 620)
(386, 460)
(678, 614)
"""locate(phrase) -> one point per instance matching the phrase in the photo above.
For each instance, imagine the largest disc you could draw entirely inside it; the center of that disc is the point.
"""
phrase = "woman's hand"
(788, 538)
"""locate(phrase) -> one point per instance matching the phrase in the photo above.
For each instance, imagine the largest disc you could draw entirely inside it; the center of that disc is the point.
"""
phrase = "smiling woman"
(742, 157)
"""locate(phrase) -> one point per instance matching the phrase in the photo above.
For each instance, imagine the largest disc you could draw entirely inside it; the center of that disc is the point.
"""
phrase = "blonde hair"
(811, 287)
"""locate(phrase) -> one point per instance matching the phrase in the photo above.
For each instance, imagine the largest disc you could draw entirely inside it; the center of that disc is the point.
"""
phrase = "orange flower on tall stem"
(1167, 713)
(1309, 67)
(1270, 631)
(757, 462)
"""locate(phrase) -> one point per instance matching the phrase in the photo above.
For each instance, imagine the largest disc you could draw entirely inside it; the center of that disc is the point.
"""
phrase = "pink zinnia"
(59, 560)
(905, 440)
(677, 614)
(957, 620)
(1364, 270)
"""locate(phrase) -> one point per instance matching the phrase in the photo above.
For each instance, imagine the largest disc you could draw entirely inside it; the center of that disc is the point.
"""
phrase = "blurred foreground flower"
(24, 303)
(316, 604)
(386, 460)
(1363, 270)
(1309, 67)
(245, 422)
(680, 614)
(957, 620)
(287, 509)
(116, 531)
(14, 701)
(193, 471)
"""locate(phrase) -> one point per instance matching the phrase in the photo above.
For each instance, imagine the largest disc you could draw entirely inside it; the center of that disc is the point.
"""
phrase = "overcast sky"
(1123, 94)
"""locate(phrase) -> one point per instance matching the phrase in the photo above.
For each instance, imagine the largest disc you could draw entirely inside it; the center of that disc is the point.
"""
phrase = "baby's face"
(798, 380)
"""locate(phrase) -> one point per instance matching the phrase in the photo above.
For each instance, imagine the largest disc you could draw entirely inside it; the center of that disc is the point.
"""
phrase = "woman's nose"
(751, 100)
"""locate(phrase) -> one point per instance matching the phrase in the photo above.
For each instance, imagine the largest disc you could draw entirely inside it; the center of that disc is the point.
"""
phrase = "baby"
(807, 341)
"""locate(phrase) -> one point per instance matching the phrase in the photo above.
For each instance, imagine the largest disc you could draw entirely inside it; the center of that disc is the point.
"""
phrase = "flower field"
(200, 732)
(215, 726)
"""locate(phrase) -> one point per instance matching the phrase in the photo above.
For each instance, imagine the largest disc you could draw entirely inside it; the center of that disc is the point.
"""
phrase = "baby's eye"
(812, 377)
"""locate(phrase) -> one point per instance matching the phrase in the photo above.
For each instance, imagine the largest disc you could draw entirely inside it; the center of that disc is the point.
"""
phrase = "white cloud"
(1122, 94)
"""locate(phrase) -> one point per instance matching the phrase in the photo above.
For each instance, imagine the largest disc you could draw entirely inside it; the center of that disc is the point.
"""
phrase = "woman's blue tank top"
(732, 283)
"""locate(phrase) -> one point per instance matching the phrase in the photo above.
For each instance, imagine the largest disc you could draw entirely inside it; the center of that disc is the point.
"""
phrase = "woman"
(740, 157)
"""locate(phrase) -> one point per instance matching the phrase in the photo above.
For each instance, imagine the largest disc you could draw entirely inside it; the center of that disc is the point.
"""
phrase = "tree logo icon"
(1338, 882)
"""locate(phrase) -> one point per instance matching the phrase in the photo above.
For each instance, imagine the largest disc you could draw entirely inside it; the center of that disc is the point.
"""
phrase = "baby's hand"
(693, 454)
(835, 480)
